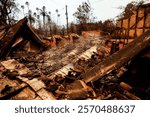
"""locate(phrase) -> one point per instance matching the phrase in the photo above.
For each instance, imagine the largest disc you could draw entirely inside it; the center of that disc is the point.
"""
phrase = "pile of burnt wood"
(80, 75)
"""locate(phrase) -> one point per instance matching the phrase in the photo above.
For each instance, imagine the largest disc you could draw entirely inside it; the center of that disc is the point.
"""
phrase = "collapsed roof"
(46, 86)
(17, 36)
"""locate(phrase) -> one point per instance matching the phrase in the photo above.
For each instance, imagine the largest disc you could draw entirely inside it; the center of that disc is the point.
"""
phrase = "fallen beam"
(131, 96)
(14, 91)
(118, 59)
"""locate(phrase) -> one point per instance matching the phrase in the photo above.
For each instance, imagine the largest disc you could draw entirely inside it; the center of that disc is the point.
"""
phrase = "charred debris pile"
(31, 70)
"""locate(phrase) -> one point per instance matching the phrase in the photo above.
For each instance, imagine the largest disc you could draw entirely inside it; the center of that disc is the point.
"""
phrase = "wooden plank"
(125, 86)
(45, 95)
(131, 96)
(36, 84)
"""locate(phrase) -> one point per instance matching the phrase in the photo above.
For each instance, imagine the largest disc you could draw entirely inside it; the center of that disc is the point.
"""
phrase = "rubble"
(74, 71)
(118, 59)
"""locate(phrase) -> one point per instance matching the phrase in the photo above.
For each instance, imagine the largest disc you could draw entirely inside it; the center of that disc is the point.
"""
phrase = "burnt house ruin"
(135, 24)
(20, 36)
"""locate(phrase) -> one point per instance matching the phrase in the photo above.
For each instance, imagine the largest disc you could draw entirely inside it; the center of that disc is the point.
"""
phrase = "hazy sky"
(102, 9)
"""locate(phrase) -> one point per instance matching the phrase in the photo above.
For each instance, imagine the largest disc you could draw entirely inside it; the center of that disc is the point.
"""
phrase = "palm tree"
(37, 9)
(57, 15)
(39, 23)
(43, 14)
(29, 16)
(49, 21)
(49, 13)
(22, 6)
(34, 14)
(56, 10)
(31, 19)
(38, 17)
(27, 3)
(58, 19)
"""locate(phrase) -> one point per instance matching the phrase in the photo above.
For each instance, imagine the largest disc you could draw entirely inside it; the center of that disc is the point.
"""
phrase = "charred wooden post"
(118, 59)
(128, 30)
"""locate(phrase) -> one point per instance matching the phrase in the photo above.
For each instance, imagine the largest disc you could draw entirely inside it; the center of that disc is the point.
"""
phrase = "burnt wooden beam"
(126, 86)
(118, 59)
(131, 96)
(13, 92)
(120, 96)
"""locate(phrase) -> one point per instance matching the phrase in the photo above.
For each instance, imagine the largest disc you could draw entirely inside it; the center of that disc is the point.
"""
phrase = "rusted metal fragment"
(45, 95)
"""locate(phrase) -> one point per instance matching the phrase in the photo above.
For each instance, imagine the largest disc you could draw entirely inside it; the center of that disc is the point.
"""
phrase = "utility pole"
(67, 19)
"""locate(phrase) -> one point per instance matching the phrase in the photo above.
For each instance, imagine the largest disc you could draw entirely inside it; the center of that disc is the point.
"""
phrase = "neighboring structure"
(58, 40)
(94, 33)
(134, 25)
(22, 37)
